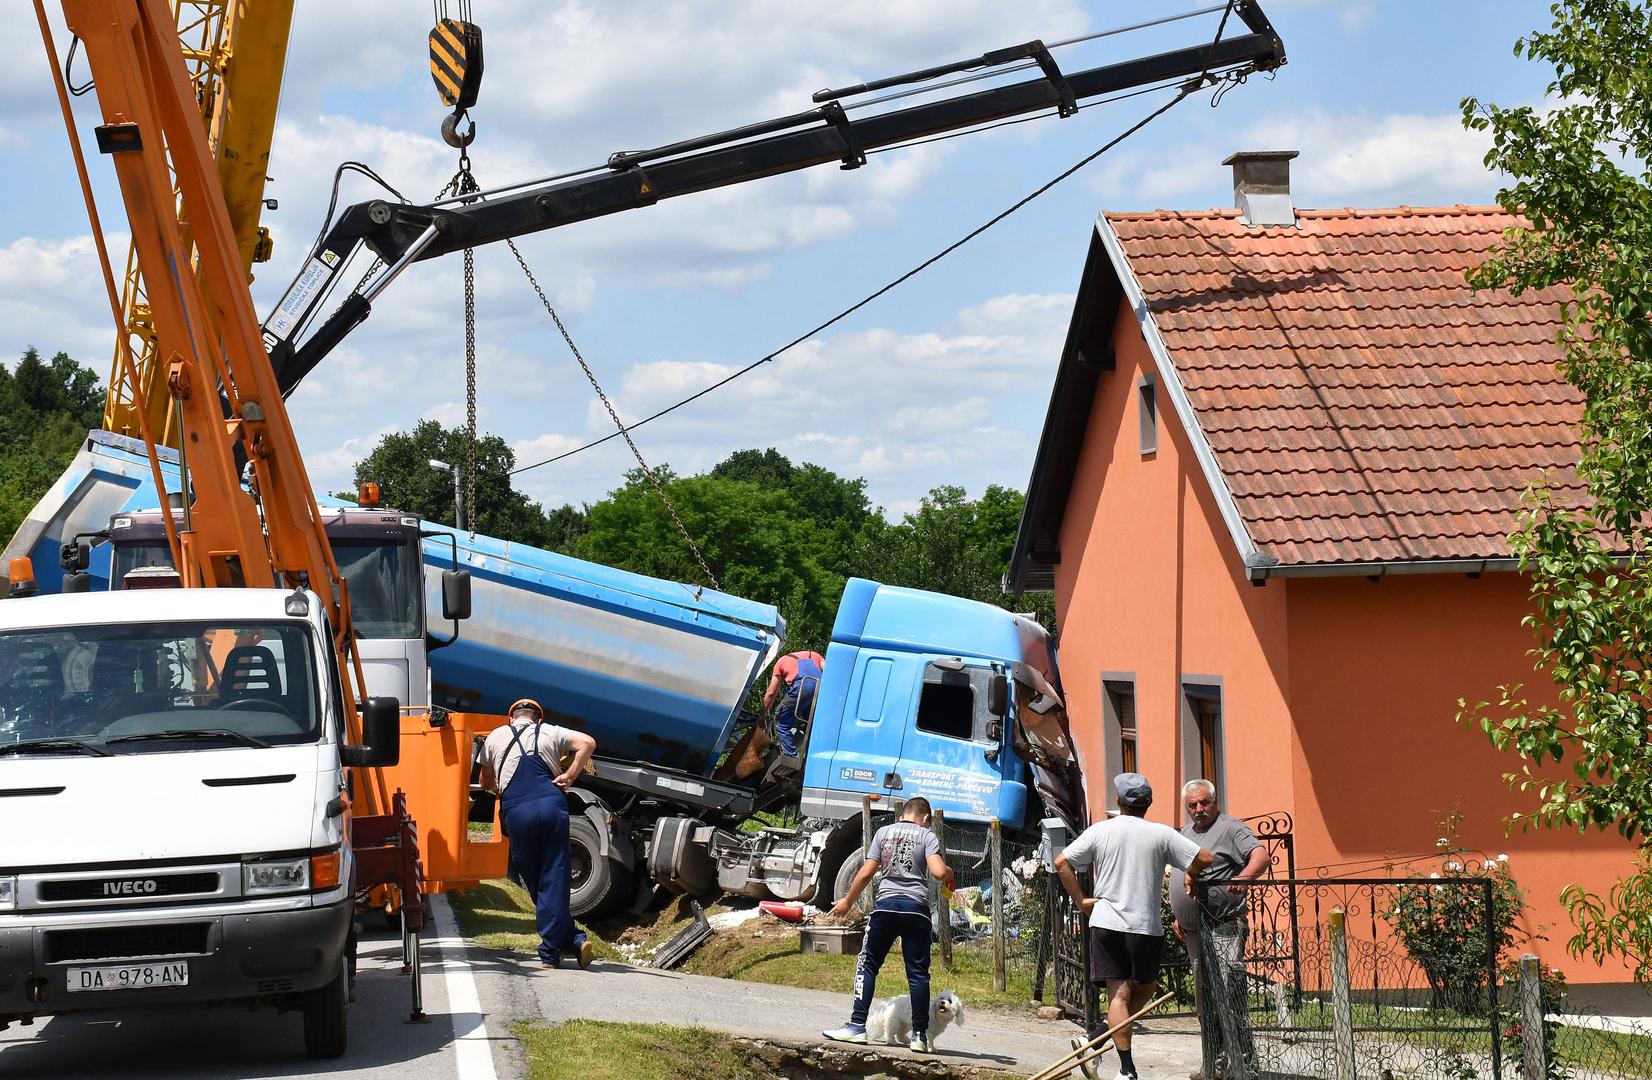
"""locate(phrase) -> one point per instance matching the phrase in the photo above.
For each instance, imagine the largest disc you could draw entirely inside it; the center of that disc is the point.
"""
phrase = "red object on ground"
(790, 911)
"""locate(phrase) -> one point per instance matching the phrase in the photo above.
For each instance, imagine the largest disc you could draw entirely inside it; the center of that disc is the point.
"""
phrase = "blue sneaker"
(848, 1033)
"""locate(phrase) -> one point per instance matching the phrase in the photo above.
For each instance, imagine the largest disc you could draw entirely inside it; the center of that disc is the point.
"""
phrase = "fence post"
(941, 903)
(997, 908)
(1531, 1018)
(1342, 1006)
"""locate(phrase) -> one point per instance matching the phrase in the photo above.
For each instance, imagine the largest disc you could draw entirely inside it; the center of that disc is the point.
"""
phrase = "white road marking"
(472, 1050)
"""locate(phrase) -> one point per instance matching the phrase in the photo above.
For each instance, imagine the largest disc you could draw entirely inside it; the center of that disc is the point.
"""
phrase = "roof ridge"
(1320, 213)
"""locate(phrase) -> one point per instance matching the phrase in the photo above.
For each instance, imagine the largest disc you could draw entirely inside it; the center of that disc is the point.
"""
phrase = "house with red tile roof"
(1283, 454)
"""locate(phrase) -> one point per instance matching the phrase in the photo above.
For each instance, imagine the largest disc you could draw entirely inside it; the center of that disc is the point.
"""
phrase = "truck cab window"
(947, 704)
(139, 686)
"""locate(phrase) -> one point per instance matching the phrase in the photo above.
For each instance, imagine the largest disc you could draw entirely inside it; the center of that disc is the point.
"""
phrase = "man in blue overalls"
(799, 672)
(532, 764)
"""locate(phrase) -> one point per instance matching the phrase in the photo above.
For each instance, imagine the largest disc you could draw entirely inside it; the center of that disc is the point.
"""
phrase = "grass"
(777, 961)
(498, 915)
(598, 1050)
(1623, 1050)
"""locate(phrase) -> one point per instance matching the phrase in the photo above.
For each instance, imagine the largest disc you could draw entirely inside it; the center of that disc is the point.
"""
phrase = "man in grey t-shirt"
(1127, 856)
(908, 855)
(1219, 917)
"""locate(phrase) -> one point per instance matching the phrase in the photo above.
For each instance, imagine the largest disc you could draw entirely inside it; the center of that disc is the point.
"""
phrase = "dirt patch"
(771, 1060)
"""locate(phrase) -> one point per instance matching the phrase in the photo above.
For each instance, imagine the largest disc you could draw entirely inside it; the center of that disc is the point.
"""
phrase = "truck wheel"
(845, 875)
(325, 1012)
(596, 884)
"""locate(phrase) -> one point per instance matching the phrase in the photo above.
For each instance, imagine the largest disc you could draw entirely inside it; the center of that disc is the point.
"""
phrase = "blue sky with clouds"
(943, 381)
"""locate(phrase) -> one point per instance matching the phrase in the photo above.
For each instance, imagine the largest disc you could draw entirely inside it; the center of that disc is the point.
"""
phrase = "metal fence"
(1356, 977)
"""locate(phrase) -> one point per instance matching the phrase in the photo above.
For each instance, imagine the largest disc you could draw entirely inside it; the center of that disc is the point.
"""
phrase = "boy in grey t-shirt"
(908, 855)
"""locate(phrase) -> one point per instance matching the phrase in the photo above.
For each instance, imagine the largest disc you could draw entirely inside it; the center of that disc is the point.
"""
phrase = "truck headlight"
(8, 893)
(275, 876)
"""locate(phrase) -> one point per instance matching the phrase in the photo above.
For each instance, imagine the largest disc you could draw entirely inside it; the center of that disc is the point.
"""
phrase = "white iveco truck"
(173, 805)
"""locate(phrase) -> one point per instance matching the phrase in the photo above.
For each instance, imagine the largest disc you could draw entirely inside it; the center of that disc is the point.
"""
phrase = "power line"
(1187, 89)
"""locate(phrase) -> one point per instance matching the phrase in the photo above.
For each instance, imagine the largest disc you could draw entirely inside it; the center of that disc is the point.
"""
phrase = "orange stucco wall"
(1338, 694)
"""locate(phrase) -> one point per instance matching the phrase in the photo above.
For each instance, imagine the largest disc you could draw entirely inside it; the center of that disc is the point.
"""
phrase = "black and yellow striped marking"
(456, 61)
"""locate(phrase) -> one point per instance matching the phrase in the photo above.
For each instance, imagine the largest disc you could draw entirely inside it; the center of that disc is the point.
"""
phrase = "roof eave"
(1249, 553)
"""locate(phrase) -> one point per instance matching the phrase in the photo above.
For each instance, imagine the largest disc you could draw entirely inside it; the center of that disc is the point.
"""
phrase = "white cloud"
(1346, 159)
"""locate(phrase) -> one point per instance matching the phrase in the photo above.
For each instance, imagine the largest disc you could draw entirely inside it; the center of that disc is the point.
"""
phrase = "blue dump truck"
(922, 694)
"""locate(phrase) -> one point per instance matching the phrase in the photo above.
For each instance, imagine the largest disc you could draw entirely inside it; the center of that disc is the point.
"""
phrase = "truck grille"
(126, 942)
(114, 888)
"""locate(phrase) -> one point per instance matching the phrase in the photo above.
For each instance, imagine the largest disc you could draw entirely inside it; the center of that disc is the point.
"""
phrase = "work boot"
(587, 952)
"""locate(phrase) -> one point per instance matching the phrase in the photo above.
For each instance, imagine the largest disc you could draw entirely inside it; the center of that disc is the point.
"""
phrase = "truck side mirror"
(381, 733)
(998, 695)
(455, 594)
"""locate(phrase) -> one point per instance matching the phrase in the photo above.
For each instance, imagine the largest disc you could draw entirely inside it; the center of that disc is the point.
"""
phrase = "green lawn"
(597, 1050)
(498, 915)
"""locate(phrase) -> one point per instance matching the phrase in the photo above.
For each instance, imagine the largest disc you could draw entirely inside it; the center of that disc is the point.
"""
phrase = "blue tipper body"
(887, 723)
(656, 670)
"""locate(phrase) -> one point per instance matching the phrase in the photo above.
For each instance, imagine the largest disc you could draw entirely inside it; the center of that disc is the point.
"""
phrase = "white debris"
(728, 920)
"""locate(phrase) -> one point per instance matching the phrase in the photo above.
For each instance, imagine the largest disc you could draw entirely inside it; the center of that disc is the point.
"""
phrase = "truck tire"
(596, 884)
(326, 1009)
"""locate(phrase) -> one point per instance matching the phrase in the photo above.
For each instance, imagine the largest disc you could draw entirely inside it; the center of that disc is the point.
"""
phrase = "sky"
(945, 380)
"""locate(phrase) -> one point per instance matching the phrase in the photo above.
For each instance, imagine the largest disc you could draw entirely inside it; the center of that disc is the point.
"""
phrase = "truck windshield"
(386, 586)
(230, 683)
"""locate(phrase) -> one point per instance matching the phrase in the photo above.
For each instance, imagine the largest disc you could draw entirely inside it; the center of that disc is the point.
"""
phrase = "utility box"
(833, 940)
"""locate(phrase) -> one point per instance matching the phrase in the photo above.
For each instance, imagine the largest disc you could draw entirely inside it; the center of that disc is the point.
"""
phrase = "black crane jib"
(402, 233)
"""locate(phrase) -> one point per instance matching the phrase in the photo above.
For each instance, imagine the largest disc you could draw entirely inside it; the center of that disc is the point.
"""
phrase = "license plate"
(130, 976)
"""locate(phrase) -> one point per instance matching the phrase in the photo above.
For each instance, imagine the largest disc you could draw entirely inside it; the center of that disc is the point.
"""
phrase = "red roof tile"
(1362, 403)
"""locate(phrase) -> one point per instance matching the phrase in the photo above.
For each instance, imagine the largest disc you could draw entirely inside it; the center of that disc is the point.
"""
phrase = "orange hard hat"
(526, 703)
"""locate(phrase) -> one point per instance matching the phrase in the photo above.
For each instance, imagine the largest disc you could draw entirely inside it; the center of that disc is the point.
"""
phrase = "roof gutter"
(1259, 573)
(1248, 551)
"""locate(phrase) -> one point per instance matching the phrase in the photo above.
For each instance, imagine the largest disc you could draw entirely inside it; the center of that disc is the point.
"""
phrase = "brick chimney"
(1262, 186)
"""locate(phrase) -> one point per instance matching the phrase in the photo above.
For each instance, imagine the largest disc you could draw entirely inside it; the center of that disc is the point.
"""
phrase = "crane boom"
(400, 233)
(235, 52)
(206, 332)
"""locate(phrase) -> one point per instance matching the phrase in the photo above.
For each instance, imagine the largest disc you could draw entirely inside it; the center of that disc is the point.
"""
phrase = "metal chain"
(654, 480)
(464, 183)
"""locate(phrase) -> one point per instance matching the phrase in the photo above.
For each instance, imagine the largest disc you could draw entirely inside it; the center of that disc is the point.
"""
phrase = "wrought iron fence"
(1356, 977)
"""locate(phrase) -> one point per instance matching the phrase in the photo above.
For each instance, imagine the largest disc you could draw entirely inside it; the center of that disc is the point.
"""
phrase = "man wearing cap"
(1219, 915)
(1127, 856)
(799, 672)
(532, 764)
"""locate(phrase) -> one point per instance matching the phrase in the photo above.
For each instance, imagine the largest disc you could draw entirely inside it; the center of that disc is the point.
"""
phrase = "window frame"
(1115, 684)
(1204, 734)
(1147, 415)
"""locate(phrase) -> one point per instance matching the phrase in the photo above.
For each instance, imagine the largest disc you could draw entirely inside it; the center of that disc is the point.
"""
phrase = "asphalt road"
(231, 1042)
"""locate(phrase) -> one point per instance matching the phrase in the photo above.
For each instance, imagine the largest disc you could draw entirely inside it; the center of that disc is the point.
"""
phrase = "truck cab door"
(956, 753)
(859, 723)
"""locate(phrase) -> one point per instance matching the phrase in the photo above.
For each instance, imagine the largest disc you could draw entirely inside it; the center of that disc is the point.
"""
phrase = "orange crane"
(235, 52)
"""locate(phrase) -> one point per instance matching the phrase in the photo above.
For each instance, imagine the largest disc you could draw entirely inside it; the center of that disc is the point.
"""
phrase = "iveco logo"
(131, 887)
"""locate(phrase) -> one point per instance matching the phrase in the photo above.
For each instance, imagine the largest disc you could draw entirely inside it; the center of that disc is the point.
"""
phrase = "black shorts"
(1118, 954)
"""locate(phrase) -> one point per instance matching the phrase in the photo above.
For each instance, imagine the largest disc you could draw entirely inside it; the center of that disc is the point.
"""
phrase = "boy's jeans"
(907, 920)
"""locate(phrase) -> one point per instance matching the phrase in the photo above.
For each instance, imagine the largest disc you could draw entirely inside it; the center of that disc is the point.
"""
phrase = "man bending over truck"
(532, 764)
(799, 673)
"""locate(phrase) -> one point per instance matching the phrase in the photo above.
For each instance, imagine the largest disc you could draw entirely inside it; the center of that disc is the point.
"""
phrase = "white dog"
(890, 1020)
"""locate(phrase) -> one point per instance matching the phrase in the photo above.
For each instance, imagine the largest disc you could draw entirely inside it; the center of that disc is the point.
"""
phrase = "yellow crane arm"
(235, 52)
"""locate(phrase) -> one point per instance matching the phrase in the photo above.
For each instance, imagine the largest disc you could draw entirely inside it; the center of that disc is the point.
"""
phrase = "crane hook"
(451, 133)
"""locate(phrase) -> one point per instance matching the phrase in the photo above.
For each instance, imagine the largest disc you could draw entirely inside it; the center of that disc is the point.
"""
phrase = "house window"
(1202, 733)
(947, 705)
(1147, 411)
(1119, 728)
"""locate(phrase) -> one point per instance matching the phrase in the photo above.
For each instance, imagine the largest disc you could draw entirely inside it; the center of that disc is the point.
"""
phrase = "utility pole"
(458, 498)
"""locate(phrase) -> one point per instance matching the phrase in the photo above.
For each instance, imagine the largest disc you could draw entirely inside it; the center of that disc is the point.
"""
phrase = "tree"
(400, 465)
(758, 548)
(1580, 179)
(46, 408)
